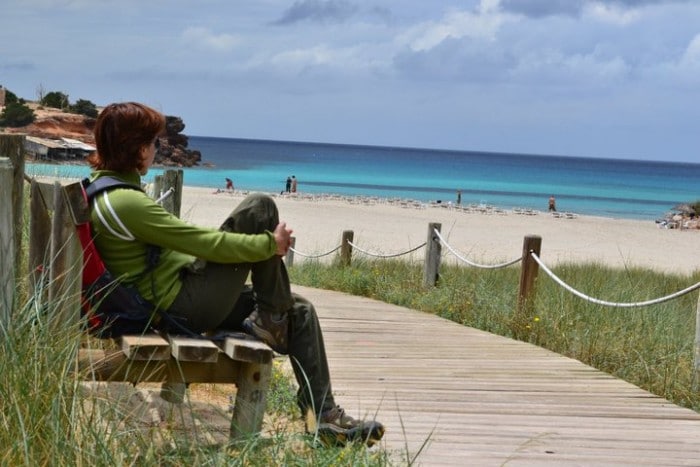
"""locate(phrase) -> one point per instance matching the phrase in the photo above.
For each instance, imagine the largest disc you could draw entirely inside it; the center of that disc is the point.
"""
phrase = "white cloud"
(454, 25)
(691, 57)
(611, 13)
(204, 38)
(297, 59)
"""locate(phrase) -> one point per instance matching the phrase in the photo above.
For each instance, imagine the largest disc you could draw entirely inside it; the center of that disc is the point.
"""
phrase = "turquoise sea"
(603, 187)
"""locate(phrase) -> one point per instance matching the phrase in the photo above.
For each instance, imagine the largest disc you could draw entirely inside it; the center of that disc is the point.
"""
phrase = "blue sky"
(591, 78)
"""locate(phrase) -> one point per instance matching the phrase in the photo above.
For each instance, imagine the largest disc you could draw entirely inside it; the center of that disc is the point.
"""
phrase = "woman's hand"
(283, 238)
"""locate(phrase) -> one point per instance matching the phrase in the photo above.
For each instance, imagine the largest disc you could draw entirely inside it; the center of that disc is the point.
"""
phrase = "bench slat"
(187, 349)
(146, 347)
(247, 350)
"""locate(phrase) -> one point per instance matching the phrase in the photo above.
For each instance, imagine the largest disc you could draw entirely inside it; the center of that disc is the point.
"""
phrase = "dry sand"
(385, 228)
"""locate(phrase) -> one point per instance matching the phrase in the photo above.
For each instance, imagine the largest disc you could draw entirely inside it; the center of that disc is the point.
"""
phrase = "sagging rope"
(471, 263)
(315, 256)
(607, 303)
(392, 255)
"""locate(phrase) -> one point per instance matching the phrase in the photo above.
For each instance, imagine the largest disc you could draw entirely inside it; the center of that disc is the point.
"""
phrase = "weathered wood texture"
(12, 147)
(528, 272)
(346, 247)
(433, 253)
(474, 398)
(172, 178)
(7, 244)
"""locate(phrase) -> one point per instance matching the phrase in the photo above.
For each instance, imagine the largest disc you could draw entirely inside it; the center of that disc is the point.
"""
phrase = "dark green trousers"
(216, 296)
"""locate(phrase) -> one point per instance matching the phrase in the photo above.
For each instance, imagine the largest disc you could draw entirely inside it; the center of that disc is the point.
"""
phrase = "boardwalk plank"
(460, 396)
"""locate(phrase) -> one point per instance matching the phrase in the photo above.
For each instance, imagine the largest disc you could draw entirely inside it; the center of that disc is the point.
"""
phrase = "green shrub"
(84, 107)
(16, 115)
(10, 97)
(55, 99)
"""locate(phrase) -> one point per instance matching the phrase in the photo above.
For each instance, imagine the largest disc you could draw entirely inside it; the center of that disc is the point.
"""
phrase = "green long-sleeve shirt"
(143, 222)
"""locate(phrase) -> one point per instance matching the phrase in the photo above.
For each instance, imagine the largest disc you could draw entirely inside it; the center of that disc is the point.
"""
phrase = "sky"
(588, 78)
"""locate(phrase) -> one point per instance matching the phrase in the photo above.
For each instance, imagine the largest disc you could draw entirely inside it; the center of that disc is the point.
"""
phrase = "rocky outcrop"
(173, 148)
(55, 124)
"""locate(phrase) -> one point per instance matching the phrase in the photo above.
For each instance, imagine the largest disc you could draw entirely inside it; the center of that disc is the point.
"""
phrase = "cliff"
(54, 124)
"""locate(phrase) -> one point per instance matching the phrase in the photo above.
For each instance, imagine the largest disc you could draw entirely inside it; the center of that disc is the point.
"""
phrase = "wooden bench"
(173, 361)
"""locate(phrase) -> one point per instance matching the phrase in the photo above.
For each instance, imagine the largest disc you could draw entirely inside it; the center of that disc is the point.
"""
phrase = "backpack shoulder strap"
(97, 186)
(103, 185)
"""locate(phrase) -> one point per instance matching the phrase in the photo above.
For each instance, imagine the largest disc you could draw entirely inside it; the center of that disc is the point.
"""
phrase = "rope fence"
(473, 264)
(391, 255)
(512, 262)
(531, 263)
(315, 256)
(597, 301)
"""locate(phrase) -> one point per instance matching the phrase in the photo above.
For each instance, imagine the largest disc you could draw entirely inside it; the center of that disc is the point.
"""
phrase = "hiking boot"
(272, 330)
(336, 428)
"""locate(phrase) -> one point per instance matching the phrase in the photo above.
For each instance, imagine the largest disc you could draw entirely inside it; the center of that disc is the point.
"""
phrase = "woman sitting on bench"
(199, 279)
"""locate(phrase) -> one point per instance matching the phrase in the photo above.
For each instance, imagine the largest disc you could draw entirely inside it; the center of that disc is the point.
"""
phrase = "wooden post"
(173, 392)
(171, 178)
(433, 254)
(40, 203)
(7, 244)
(528, 277)
(252, 384)
(157, 186)
(346, 248)
(66, 262)
(12, 147)
(696, 376)
(289, 258)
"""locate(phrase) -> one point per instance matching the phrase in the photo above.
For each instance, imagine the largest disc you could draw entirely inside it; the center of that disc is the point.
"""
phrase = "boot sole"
(331, 435)
(264, 335)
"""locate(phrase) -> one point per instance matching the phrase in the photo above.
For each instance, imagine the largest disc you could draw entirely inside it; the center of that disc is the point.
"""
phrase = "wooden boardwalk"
(453, 395)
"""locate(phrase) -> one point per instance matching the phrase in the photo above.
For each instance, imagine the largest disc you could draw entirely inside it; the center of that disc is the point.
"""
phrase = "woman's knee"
(255, 214)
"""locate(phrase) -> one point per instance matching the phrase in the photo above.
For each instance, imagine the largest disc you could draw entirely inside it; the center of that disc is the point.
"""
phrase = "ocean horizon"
(618, 188)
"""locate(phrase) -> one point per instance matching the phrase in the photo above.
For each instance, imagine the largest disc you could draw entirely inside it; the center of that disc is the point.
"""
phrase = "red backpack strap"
(93, 266)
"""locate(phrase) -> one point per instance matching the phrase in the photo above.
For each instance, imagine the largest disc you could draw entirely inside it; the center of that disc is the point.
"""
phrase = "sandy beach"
(387, 228)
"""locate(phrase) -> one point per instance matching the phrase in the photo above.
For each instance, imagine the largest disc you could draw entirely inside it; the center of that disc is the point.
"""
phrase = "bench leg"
(252, 384)
(173, 392)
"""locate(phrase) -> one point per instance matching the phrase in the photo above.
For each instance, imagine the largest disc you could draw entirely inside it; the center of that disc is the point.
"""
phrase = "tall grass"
(651, 347)
(50, 416)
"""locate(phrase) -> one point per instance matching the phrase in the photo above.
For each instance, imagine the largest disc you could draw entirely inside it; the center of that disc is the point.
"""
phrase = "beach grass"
(651, 347)
(53, 416)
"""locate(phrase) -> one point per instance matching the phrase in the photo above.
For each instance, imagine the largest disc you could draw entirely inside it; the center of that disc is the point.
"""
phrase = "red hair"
(121, 132)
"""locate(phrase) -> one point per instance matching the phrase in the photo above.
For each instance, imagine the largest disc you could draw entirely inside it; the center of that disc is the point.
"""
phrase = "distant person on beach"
(294, 184)
(199, 281)
(229, 185)
(288, 185)
(552, 204)
(459, 196)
